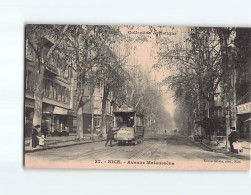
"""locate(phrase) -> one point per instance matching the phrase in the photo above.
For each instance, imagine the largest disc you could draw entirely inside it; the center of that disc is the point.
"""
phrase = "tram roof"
(124, 109)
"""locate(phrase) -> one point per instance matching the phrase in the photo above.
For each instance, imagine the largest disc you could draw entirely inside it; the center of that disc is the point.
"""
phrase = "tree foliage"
(199, 67)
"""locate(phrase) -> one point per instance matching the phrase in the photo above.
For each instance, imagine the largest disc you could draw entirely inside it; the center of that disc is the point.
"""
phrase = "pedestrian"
(233, 137)
(110, 136)
(35, 141)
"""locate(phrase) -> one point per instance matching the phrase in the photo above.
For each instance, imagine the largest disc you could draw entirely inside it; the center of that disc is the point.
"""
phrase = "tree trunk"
(211, 113)
(79, 111)
(103, 114)
(80, 133)
(37, 118)
(233, 111)
(38, 100)
(227, 127)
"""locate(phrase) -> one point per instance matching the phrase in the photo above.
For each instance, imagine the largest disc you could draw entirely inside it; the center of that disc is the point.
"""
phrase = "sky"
(144, 53)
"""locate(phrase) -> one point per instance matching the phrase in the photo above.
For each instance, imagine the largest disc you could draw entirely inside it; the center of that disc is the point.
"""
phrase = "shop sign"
(244, 108)
(58, 110)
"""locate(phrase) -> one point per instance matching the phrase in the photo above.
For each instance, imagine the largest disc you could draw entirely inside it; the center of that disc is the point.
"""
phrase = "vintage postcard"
(137, 97)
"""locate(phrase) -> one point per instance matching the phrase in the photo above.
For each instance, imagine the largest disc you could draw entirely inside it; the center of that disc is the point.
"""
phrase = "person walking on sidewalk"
(233, 137)
(110, 136)
(34, 136)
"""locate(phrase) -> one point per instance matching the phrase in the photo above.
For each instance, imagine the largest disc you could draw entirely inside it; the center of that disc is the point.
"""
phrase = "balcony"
(51, 70)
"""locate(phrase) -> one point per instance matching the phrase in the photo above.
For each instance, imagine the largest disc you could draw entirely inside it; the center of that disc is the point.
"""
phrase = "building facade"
(243, 62)
(57, 113)
(92, 111)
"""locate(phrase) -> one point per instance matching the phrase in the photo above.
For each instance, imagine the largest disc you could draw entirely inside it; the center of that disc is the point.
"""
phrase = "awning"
(60, 111)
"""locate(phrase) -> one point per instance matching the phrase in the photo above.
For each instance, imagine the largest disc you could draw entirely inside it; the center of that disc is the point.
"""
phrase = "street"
(174, 148)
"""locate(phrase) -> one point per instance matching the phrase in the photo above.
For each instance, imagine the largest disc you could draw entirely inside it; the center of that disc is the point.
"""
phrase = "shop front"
(57, 120)
(28, 113)
(62, 122)
(244, 120)
(89, 124)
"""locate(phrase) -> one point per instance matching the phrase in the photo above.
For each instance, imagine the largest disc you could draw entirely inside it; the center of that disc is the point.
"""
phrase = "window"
(107, 106)
(66, 73)
(54, 91)
(58, 92)
(26, 80)
(139, 121)
(63, 94)
(46, 88)
(30, 52)
(96, 123)
(67, 96)
(50, 90)
(96, 104)
(30, 85)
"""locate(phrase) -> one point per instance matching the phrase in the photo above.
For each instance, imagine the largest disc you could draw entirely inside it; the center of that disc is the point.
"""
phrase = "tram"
(129, 125)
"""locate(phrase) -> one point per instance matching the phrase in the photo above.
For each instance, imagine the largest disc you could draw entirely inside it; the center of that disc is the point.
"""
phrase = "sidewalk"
(59, 142)
(221, 147)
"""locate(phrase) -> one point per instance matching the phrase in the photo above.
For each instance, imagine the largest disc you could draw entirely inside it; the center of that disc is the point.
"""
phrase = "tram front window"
(130, 122)
(125, 120)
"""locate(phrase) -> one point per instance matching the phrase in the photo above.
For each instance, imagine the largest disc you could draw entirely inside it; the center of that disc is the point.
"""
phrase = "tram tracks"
(105, 151)
(142, 152)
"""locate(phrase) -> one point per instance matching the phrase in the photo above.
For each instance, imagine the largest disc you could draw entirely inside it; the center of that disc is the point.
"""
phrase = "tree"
(87, 48)
(112, 77)
(227, 37)
(198, 70)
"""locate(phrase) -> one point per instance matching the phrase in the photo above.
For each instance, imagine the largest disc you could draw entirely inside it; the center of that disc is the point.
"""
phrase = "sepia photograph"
(136, 97)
